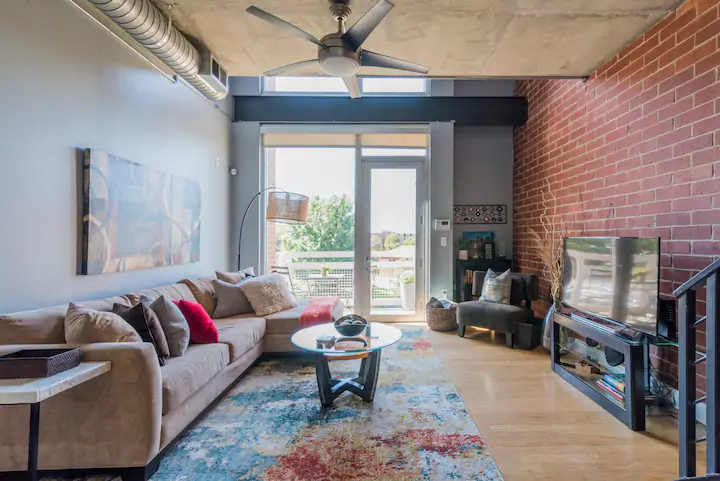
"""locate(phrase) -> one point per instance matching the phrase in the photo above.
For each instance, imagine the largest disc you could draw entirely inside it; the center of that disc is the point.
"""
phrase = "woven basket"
(439, 319)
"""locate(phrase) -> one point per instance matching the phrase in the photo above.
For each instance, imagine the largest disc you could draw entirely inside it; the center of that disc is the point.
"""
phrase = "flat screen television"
(614, 278)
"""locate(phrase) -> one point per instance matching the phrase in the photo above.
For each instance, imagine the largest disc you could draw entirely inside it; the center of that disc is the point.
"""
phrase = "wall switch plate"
(443, 242)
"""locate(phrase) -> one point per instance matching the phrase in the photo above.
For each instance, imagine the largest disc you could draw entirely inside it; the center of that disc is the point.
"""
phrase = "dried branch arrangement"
(549, 241)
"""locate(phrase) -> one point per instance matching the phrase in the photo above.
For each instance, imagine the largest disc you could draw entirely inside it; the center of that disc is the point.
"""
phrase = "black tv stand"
(634, 347)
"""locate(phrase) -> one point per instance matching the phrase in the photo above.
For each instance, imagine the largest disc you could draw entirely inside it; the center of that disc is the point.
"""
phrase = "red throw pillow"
(202, 328)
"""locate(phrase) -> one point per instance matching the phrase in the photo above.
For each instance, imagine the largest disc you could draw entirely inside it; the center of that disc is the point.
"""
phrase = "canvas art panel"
(136, 217)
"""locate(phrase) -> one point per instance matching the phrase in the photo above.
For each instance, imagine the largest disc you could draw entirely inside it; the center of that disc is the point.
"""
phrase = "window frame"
(283, 93)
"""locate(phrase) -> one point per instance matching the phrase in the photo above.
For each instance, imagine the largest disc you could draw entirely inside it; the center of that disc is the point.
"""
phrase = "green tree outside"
(330, 227)
(392, 241)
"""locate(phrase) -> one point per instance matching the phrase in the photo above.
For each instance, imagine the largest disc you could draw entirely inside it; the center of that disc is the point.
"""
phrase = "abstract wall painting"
(136, 217)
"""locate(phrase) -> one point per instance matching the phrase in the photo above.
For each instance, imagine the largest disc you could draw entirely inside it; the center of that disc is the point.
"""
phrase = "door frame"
(363, 188)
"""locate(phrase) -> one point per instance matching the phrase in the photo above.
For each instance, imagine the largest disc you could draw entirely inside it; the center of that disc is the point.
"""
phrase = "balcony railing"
(306, 275)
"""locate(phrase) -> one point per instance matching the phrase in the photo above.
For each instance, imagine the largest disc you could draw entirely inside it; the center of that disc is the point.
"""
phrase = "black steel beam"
(481, 111)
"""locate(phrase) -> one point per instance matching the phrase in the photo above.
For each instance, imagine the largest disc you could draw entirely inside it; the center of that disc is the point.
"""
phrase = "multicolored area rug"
(271, 426)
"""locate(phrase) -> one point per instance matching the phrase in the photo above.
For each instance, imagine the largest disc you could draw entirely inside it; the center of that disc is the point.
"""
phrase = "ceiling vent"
(145, 23)
(213, 73)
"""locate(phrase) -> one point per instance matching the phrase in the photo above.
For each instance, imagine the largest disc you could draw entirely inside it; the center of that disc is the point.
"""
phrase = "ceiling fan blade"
(279, 22)
(372, 59)
(362, 29)
(353, 86)
(287, 68)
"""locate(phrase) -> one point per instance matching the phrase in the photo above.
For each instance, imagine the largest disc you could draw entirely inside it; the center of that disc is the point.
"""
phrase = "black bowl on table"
(356, 327)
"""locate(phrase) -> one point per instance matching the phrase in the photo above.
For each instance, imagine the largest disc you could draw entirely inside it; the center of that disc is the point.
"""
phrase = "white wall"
(68, 84)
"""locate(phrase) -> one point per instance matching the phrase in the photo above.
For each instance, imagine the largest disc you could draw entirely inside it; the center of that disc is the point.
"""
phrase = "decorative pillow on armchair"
(268, 294)
(496, 287)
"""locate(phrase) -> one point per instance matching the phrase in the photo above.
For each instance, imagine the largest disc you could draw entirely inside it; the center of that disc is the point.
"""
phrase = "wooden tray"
(34, 363)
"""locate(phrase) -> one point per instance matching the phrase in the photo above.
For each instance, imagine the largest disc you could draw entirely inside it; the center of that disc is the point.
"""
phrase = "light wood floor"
(538, 427)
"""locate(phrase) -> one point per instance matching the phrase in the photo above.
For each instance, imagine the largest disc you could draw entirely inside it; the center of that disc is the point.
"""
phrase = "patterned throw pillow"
(496, 288)
(268, 294)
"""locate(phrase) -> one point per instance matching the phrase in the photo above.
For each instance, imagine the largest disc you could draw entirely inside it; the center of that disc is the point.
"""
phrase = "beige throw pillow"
(268, 294)
(235, 277)
(203, 291)
(87, 326)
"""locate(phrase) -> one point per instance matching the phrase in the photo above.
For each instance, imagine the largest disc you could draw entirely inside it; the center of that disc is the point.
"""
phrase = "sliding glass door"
(364, 239)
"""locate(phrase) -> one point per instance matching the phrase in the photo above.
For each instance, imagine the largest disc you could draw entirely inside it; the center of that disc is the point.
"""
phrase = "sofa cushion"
(492, 315)
(183, 376)
(235, 277)
(174, 325)
(146, 323)
(240, 334)
(287, 321)
(202, 328)
(86, 326)
(46, 325)
(268, 294)
(174, 292)
(203, 292)
(231, 300)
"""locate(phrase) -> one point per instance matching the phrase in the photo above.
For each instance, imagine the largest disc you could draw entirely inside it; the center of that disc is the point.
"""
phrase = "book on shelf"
(615, 382)
(610, 390)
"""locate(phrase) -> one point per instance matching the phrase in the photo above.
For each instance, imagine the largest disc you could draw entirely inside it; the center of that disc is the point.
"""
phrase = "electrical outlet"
(443, 242)
(444, 293)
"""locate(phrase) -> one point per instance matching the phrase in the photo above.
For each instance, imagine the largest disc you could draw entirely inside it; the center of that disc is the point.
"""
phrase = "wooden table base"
(363, 385)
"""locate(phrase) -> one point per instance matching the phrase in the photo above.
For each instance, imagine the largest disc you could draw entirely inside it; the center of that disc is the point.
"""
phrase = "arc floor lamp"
(283, 207)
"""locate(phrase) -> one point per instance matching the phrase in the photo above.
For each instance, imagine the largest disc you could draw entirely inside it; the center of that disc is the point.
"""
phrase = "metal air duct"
(146, 24)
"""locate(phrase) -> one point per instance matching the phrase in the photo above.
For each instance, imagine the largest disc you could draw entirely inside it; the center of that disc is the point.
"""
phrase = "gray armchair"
(496, 316)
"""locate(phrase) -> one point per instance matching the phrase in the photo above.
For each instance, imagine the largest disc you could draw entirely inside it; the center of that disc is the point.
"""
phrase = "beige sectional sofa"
(123, 420)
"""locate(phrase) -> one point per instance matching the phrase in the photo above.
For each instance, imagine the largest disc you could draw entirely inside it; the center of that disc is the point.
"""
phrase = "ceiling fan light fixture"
(339, 66)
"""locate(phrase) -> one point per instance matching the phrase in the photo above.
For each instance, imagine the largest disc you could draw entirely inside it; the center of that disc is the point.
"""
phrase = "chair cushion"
(288, 321)
(240, 334)
(496, 287)
(183, 376)
(492, 315)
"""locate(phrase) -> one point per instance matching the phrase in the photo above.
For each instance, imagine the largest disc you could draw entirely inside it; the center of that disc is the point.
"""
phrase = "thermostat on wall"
(442, 224)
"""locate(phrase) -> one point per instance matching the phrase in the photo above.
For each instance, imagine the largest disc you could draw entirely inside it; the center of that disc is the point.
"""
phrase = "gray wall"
(483, 175)
(484, 162)
(66, 84)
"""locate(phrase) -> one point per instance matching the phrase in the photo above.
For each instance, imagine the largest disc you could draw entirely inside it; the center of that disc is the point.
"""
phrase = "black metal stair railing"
(688, 360)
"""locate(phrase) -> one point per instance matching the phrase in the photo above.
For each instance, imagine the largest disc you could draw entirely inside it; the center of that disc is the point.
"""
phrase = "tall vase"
(565, 337)
(547, 328)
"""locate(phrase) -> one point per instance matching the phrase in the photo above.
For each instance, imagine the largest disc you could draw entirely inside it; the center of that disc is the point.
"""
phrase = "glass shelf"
(584, 373)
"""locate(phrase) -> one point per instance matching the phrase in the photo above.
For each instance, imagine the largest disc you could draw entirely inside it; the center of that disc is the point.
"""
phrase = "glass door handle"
(368, 264)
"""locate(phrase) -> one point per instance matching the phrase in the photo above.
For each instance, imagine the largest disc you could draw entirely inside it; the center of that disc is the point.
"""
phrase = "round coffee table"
(381, 335)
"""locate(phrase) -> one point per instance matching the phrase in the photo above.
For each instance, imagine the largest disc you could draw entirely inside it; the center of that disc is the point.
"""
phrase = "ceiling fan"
(339, 53)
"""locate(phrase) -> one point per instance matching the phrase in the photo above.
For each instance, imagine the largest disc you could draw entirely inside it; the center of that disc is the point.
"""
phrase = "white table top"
(31, 391)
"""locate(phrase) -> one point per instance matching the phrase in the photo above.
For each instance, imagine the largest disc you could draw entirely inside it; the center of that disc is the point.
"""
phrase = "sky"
(326, 172)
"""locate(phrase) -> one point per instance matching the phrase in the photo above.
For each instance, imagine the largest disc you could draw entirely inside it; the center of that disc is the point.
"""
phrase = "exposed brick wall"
(633, 150)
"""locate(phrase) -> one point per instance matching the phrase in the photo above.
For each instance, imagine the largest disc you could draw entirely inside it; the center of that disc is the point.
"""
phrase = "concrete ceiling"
(455, 38)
